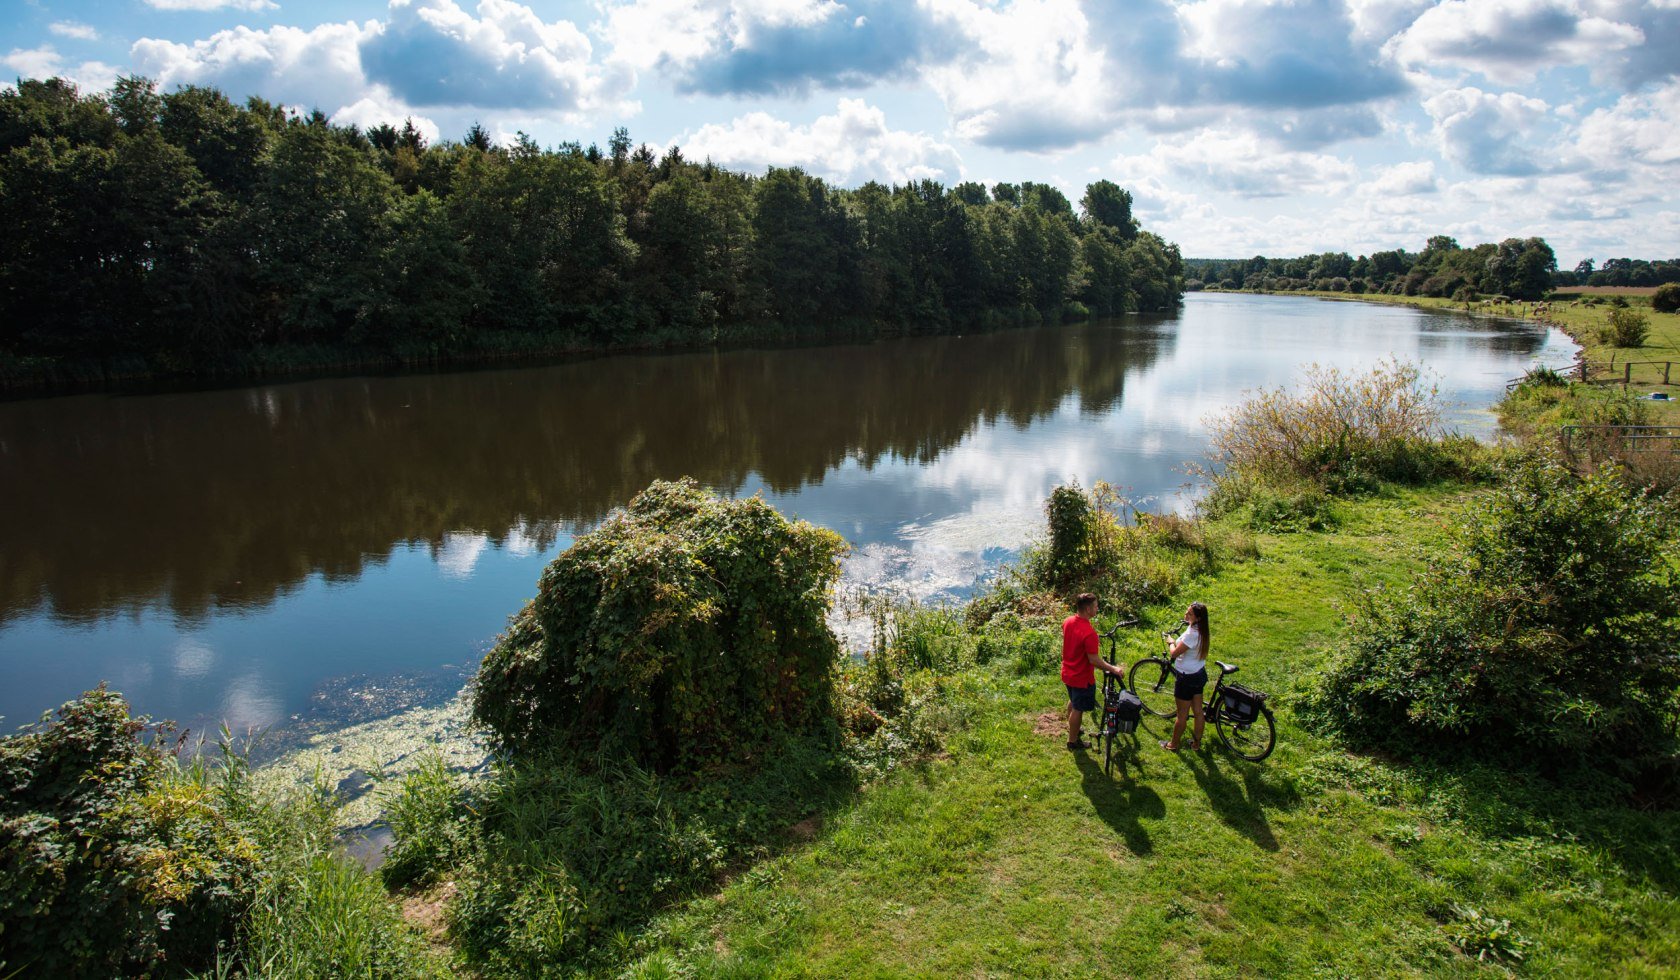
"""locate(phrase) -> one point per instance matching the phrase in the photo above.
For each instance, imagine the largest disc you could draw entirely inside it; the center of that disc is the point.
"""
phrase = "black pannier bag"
(1128, 710)
(1242, 704)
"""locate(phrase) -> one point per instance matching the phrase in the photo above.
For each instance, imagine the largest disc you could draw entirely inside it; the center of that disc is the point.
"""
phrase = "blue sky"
(1277, 127)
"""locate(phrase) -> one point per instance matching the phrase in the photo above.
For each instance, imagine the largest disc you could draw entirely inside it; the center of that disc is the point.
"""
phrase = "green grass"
(1007, 856)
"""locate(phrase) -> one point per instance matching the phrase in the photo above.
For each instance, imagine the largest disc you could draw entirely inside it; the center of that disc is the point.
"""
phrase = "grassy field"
(1008, 856)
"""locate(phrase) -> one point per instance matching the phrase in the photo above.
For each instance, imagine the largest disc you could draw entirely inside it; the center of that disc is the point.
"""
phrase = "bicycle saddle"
(1227, 668)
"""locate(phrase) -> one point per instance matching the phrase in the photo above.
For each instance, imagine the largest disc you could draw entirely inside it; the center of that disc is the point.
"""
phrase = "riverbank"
(1187, 864)
(1582, 321)
(26, 377)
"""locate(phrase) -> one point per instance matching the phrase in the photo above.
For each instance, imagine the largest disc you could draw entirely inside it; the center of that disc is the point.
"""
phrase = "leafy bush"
(1627, 327)
(111, 865)
(1549, 633)
(684, 629)
(1667, 298)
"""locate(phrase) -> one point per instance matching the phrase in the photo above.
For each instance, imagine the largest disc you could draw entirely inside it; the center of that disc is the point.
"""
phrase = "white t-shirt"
(1193, 658)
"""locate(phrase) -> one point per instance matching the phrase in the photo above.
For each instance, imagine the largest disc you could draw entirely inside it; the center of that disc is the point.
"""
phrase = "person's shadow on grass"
(1121, 799)
(1239, 804)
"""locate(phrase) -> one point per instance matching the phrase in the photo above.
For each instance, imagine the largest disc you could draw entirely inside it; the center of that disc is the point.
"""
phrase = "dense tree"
(189, 231)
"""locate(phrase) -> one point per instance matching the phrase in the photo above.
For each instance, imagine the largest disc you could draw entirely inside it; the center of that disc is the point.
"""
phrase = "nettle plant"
(686, 629)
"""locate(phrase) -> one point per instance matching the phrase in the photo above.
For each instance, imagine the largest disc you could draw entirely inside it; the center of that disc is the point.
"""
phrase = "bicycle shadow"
(1238, 803)
(1122, 799)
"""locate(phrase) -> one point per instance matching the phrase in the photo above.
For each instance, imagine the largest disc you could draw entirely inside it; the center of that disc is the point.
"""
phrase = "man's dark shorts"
(1082, 698)
(1187, 686)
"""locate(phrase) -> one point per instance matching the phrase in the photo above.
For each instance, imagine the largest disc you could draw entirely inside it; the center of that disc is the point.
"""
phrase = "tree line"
(1519, 268)
(1620, 272)
(180, 228)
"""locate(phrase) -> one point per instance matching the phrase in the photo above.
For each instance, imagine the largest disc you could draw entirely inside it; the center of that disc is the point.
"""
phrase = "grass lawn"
(1009, 856)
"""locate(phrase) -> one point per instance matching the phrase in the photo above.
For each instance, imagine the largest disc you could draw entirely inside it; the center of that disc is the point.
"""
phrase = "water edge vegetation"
(927, 828)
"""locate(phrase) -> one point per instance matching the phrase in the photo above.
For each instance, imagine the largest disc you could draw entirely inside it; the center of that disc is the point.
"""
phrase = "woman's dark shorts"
(1188, 686)
(1082, 698)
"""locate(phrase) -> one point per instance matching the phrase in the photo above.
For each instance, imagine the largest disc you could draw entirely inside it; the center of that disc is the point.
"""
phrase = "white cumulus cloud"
(73, 30)
(201, 5)
(46, 62)
(1490, 133)
(850, 147)
(317, 67)
(1511, 41)
(1242, 164)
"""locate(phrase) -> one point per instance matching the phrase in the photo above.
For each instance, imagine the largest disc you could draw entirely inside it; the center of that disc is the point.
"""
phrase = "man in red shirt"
(1081, 659)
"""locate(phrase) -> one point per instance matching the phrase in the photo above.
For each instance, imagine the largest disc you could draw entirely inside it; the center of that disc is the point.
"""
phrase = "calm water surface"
(326, 550)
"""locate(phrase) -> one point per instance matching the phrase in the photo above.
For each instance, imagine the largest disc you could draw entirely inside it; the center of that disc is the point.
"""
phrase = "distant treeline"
(181, 231)
(1621, 272)
(1520, 268)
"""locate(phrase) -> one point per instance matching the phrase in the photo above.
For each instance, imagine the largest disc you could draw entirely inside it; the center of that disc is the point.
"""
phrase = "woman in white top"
(1189, 655)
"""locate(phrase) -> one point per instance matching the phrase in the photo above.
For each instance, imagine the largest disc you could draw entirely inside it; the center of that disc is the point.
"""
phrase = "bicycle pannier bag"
(1128, 711)
(1242, 704)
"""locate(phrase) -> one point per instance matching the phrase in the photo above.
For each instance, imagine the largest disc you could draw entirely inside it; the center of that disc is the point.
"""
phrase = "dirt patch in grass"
(428, 912)
(1052, 724)
(806, 829)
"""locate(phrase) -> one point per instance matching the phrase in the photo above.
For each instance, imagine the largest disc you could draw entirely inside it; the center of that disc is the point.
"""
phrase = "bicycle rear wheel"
(1252, 741)
(1151, 679)
(1108, 755)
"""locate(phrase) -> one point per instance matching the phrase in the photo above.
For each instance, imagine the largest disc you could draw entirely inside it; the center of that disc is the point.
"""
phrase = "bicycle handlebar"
(1117, 627)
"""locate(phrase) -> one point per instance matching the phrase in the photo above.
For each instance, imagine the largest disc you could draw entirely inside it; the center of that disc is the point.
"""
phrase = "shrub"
(1342, 431)
(111, 864)
(1464, 294)
(1667, 298)
(1626, 327)
(684, 629)
(1357, 286)
(1546, 637)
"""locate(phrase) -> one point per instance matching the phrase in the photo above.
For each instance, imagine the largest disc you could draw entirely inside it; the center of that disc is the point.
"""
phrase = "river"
(324, 551)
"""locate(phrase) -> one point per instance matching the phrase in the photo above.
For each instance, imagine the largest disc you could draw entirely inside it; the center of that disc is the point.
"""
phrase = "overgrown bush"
(1667, 298)
(1547, 637)
(1627, 327)
(118, 860)
(684, 629)
(1343, 431)
(110, 864)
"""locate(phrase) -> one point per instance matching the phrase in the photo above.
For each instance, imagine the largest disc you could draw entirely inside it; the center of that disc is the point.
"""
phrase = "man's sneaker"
(1078, 746)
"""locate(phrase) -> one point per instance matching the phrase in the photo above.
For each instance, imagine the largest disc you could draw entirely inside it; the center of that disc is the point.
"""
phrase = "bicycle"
(1239, 714)
(1121, 709)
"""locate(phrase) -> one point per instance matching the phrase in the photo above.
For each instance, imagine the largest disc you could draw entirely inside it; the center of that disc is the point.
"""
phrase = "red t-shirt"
(1079, 641)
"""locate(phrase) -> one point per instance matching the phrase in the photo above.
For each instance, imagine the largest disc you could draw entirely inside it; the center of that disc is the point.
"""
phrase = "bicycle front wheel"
(1108, 755)
(1151, 680)
(1252, 741)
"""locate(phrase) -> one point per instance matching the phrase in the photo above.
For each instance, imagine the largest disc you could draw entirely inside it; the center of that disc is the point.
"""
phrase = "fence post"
(1666, 366)
(1627, 373)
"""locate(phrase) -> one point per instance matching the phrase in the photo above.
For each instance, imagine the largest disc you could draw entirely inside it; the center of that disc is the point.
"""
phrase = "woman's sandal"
(1169, 746)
